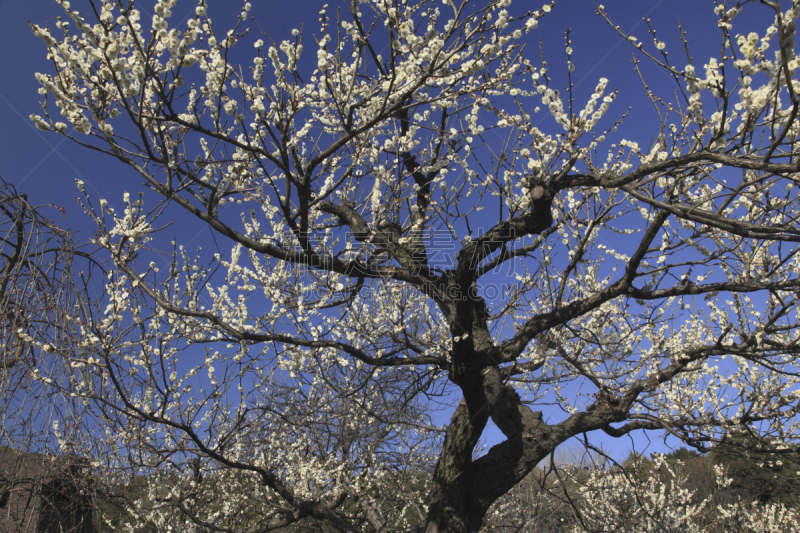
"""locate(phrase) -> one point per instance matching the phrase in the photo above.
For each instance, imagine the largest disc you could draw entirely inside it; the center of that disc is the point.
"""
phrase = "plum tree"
(648, 284)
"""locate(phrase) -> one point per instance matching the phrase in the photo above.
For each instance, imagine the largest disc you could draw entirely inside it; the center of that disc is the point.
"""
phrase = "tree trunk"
(464, 488)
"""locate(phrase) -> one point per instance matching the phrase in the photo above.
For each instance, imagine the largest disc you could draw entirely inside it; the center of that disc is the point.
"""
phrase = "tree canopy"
(398, 232)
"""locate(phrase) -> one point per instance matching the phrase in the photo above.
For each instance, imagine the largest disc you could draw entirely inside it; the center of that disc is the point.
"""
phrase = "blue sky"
(45, 165)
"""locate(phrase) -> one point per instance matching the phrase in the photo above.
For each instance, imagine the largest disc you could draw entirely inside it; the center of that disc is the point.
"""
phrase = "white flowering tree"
(682, 492)
(611, 500)
(294, 374)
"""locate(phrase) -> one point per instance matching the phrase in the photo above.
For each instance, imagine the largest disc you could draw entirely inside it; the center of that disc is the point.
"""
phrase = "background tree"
(770, 477)
(41, 304)
(681, 491)
(671, 497)
(651, 284)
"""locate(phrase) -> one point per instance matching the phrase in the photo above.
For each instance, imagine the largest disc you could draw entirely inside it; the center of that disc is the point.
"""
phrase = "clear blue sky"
(45, 165)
